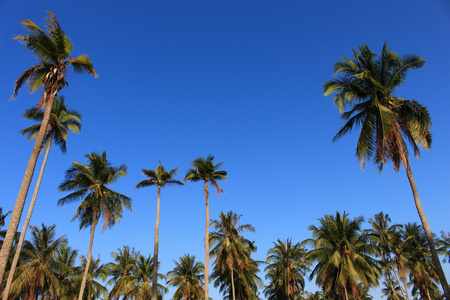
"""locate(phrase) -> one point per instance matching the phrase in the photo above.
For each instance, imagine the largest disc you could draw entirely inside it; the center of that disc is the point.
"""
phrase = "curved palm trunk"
(206, 190)
(21, 197)
(26, 223)
(88, 262)
(427, 230)
(156, 249)
(232, 285)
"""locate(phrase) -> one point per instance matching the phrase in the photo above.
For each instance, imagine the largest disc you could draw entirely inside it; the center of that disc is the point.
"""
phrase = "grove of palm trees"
(196, 102)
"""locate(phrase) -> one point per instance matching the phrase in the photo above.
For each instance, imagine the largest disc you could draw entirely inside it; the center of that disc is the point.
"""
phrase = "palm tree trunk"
(21, 197)
(398, 281)
(207, 242)
(26, 223)
(88, 262)
(232, 285)
(427, 230)
(156, 249)
(406, 287)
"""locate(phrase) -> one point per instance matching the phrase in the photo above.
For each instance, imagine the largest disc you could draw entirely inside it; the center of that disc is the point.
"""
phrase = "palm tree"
(67, 256)
(53, 51)
(232, 251)
(61, 121)
(138, 285)
(246, 282)
(392, 291)
(187, 277)
(368, 83)
(159, 178)
(444, 245)
(93, 288)
(89, 183)
(205, 170)
(286, 267)
(383, 234)
(343, 256)
(422, 272)
(38, 274)
(125, 262)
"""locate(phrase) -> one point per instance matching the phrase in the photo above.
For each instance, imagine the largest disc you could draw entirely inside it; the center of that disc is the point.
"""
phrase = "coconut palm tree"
(382, 235)
(138, 285)
(205, 170)
(53, 50)
(286, 268)
(368, 83)
(66, 255)
(93, 288)
(232, 251)
(37, 276)
(89, 184)
(422, 272)
(343, 255)
(187, 277)
(391, 290)
(62, 120)
(444, 245)
(123, 265)
(246, 282)
(159, 178)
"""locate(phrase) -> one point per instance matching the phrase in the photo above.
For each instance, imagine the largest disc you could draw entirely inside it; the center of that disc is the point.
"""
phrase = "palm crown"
(90, 182)
(368, 82)
(53, 49)
(62, 120)
(159, 177)
(205, 170)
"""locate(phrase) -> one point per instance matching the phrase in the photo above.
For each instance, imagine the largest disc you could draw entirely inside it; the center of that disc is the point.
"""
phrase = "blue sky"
(241, 80)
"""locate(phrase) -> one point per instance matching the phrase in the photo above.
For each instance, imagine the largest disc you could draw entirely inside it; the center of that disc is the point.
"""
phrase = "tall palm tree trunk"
(26, 223)
(156, 249)
(427, 230)
(207, 242)
(88, 262)
(232, 285)
(20, 202)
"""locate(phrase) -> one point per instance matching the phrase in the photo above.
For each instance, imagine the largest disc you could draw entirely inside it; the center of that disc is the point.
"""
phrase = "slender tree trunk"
(21, 197)
(156, 249)
(406, 288)
(398, 281)
(88, 262)
(207, 242)
(26, 223)
(427, 230)
(232, 285)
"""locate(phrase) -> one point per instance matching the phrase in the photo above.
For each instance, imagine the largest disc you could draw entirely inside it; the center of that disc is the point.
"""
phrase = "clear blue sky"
(241, 80)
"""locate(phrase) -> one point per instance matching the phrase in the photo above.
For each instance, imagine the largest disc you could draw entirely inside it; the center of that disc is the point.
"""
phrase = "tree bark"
(88, 262)
(26, 223)
(21, 197)
(207, 242)
(156, 249)
(427, 230)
